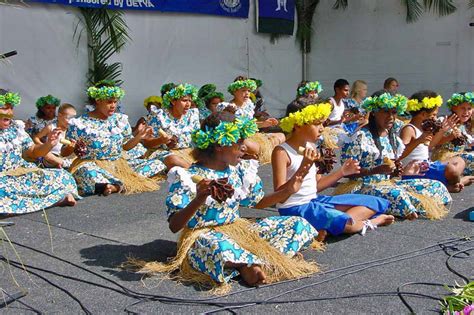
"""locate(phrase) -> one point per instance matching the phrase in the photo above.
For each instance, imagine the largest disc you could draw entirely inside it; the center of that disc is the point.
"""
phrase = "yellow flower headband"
(413, 105)
(152, 99)
(308, 115)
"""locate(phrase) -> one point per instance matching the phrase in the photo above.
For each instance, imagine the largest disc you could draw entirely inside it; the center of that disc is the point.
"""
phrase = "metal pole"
(305, 60)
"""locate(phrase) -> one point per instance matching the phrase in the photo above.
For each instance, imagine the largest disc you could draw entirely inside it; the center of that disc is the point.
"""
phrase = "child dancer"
(216, 244)
(54, 159)
(376, 147)
(24, 187)
(417, 136)
(173, 126)
(45, 114)
(260, 145)
(458, 141)
(309, 89)
(338, 214)
(101, 137)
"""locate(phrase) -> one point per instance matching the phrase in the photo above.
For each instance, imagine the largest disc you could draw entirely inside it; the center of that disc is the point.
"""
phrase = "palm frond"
(414, 10)
(305, 10)
(441, 7)
(107, 34)
(340, 4)
(471, 4)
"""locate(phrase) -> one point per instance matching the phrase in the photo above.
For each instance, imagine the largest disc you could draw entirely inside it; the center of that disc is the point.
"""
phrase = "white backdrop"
(369, 41)
(197, 49)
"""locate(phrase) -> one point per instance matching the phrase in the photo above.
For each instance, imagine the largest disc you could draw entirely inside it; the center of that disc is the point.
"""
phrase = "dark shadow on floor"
(464, 215)
(111, 256)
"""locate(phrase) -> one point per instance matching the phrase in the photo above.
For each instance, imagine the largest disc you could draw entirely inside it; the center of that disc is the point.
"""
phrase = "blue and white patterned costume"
(181, 128)
(400, 193)
(212, 249)
(246, 110)
(36, 189)
(37, 124)
(461, 151)
(105, 140)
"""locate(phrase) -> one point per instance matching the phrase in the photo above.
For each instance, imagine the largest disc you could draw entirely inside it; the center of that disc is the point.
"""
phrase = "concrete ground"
(72, 265)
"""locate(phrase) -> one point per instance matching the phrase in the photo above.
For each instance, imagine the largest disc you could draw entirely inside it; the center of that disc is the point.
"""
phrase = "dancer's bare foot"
(411, 216)
(321, 235)
(68, 201)
(252, 275)
(383, 219)
(110, 189)
(455, 188)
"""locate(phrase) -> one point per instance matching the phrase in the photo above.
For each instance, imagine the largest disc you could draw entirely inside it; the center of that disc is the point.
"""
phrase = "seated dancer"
(309, 89)
(45, 115)
(216, 244)
(152, 104)
(458, 141)
(24, 187)
(101, 137)
(417, 137)
(298, 157)
(378, 149)
(54, 159)
(260, 145)
(173, 126)
(211, 97)
(354, 116)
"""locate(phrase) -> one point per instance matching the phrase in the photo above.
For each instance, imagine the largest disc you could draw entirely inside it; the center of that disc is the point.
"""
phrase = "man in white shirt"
(341, 91)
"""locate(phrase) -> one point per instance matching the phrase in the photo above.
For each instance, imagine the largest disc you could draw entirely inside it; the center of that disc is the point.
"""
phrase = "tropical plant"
(107, 34)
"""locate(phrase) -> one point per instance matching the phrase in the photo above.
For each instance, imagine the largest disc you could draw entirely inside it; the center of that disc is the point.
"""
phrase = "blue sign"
(231, 8)
(277, 9)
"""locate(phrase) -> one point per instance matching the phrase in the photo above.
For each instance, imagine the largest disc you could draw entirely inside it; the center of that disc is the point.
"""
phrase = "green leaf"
(414, 10)
(441, 7)
(340, 4)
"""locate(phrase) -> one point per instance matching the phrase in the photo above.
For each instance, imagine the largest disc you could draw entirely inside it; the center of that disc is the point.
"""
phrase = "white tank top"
(421, 152)
(337, 111)
(308, 190)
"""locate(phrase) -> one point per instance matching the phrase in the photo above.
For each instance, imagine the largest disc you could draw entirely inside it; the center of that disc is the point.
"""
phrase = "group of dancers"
(397, 159)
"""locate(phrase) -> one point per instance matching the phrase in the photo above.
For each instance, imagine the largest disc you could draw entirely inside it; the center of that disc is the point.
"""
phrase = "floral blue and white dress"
(247, 110)
(104, 140)
(32, 189)
(182, 128)
(402, 193)
(37, 124)
(459, 150)
(212, 250)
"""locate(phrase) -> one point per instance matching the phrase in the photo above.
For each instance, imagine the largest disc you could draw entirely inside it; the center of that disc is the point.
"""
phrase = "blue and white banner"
(231, 8)
(276, 16)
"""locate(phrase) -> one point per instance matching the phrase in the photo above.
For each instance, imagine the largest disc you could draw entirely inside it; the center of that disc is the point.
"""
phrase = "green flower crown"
(212, 95)
(458, 98)
(206, 89)
(10, 98)
(167, 87)
(237, 85)
(310, 86)
(105, 92)
(178, 92)
(386, 101)
(226, 133)
(48, 100)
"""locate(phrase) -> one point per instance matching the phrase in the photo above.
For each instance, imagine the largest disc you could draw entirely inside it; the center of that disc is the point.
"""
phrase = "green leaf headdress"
(47, 100)
(105, 92)
(178, 92)
(459, 98)
(225, 134)
(310, 86)
(386, 101)
(10, 98)
(240, 84)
